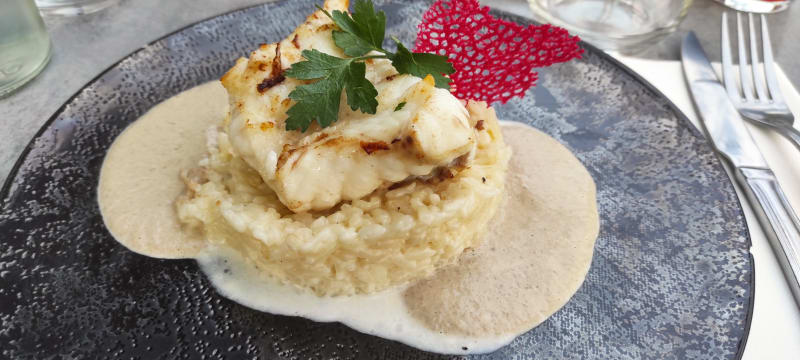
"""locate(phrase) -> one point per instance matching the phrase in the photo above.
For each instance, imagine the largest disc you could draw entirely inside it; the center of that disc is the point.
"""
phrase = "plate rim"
(5, 190)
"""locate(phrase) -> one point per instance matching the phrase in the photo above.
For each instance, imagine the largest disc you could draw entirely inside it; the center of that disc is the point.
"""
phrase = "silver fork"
(765, 105)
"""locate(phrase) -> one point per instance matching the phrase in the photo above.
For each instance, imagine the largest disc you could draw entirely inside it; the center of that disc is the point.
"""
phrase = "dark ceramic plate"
(672, 275)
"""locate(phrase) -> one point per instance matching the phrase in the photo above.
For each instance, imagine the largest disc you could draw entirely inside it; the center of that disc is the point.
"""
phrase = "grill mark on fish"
(373, 146)
(276, 75)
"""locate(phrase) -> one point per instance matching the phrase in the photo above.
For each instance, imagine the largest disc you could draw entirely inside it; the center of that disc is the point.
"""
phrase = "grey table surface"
(83, 46)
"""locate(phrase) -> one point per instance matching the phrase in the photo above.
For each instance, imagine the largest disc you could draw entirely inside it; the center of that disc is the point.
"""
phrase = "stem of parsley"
(360, 58)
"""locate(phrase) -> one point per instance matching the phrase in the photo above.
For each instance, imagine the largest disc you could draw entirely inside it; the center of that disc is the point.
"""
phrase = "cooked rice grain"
(387, 238)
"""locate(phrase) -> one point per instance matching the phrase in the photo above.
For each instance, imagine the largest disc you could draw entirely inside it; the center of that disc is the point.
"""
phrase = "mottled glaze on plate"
(672, 275)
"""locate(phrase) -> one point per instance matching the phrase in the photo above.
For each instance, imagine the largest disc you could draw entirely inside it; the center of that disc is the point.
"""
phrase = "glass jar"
(24, 44)
(624, 25)
(73, 7)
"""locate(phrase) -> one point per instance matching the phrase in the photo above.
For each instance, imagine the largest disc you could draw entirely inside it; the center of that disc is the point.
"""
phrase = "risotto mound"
(390, 237)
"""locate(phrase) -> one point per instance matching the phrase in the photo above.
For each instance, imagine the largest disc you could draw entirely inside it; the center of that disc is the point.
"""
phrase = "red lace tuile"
(494, 59)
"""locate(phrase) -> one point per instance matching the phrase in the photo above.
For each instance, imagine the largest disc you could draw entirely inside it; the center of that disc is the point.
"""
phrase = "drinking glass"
(757, 6)
(73, 7)
(24, 44)
(624, 25)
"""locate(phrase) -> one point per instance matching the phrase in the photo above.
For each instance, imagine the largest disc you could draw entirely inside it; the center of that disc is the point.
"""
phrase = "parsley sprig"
(357, 35)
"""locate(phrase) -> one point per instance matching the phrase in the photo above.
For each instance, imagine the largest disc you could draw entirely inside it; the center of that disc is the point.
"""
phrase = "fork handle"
(777, 219)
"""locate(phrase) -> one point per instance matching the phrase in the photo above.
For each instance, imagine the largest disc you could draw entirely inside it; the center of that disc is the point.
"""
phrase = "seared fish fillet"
(359, 153)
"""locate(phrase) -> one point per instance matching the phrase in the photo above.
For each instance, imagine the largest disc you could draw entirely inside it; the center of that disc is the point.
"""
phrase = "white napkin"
(775, 329)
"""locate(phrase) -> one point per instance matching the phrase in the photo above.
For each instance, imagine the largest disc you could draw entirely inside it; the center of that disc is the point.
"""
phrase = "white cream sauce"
(381, 314)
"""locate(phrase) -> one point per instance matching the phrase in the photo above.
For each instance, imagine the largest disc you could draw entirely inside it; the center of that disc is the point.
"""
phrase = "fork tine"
(769, 63)
(728, 76)
(758, 76)
(744, 75)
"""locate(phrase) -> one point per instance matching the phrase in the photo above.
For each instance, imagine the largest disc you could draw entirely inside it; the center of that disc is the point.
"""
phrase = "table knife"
(732, 140)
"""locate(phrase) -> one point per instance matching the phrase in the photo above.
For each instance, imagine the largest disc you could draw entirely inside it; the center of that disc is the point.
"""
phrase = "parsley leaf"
(351, 44)
(372, 25)
(400, 106)
(422, 64)
(320, 100)
(317, 65)
(361, 94)
(317, 101)
(358, 34)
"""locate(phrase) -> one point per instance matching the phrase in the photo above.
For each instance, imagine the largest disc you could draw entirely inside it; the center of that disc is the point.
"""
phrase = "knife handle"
(777, 219)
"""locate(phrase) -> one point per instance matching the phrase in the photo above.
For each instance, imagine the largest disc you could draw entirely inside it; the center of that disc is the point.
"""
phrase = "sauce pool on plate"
(533, 258)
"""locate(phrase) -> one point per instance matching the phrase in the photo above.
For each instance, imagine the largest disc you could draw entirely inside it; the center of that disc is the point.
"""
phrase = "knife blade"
(720, 117)
(732, 140)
